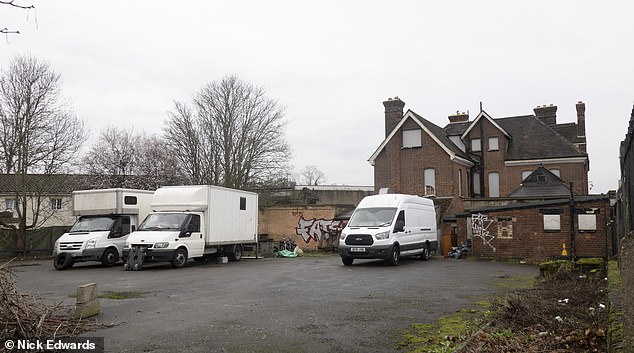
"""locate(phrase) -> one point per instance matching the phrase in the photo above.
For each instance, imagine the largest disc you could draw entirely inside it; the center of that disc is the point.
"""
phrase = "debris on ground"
(564, 312)
(23, 316)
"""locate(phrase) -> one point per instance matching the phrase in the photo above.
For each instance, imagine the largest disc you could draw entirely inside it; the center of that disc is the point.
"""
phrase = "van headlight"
(161, 245)
(382, 235)
(90, 244)
(342, 236)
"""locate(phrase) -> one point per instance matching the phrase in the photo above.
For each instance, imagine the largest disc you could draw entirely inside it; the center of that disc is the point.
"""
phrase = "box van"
(389, 226)
(194, 222)
(104, 219)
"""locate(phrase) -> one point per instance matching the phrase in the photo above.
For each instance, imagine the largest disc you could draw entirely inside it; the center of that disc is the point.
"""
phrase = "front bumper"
(94, 254)
(369, 251)
(156, 255)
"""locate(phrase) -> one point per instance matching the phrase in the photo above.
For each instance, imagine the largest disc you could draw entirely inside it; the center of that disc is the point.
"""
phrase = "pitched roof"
(541, 182)
(48, 184)
(434, 131)
(484, 115)
(532, 139)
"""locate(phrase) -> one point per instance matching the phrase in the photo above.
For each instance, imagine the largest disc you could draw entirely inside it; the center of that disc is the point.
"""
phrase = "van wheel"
(236, 254)
(110, 257)
(63, 261)
(395, 256)
(347, 260)
(180, 258)
(425, 254)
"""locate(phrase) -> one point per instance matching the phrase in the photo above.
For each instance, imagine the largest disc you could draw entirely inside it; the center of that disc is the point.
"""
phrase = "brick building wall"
(519, 232)
(510, 177)
(403, 169)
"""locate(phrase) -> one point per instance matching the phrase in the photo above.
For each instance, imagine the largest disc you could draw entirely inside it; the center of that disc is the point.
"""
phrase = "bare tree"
(232, 135)
(13, 4)
(312, 176)
(123, 158)
(40, 134)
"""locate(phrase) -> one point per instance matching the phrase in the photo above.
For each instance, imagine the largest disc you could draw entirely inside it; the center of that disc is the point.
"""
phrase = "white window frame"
(56, 203)
(9, 204)
(412, 138)
(525, 174)
(494, 144)
(557, 172)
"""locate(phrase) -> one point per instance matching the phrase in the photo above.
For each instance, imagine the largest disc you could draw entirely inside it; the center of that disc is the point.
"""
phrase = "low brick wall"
(310, 226)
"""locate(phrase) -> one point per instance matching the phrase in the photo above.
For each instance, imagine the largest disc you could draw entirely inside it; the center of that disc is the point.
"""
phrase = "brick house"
(470, 164)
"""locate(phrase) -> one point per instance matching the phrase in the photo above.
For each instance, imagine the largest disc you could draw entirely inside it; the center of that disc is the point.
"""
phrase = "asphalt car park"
(303, 304)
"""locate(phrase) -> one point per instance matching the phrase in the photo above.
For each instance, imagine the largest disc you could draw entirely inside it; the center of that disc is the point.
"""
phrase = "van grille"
(359, 239)
(71, 245)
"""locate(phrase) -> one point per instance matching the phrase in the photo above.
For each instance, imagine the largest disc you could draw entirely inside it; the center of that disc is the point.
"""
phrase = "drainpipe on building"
(573, 249)
(482, 191)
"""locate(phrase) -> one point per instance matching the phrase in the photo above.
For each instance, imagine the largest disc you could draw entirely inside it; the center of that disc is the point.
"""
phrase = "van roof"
(393, 200)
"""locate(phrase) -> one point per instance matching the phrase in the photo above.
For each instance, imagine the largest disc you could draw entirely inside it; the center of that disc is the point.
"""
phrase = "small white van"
(389, 226)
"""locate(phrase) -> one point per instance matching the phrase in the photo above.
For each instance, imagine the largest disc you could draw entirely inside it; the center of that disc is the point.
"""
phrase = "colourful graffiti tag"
(317, 229)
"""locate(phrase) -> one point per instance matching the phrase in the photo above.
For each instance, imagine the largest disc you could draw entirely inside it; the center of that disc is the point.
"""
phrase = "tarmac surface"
(304, 304)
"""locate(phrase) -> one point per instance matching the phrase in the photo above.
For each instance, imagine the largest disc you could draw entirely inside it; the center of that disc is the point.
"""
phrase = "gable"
(436, 133)
(484, 115)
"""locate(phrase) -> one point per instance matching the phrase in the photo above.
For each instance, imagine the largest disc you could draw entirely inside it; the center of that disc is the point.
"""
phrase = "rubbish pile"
(566, 312)
(24, 317)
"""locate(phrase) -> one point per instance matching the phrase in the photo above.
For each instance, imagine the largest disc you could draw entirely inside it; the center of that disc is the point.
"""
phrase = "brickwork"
(510, 177)
(529, 240)
(402, 169)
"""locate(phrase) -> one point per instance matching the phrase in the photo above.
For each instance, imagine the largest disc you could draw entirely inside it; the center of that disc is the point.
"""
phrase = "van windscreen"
(372, 217)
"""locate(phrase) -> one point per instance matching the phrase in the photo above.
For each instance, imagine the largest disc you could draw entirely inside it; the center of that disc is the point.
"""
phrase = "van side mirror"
(399, 227)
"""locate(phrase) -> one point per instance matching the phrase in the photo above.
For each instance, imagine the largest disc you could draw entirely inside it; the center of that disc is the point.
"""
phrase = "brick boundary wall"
(626, 265)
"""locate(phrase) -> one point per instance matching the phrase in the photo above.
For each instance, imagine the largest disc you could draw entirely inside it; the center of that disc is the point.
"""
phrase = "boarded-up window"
(494, 185)
(493, 144)
(525, 174)
(476, 183)
(505, 227)
(412, 138)
(476, 145)
(587, 222)
(552, 222)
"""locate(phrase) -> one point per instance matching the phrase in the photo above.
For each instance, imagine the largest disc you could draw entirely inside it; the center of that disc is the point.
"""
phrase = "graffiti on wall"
(318, 229)
(480, 227)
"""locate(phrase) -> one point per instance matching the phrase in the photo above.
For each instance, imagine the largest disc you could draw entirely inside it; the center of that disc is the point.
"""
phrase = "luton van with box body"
(194, 222)
(105, 218)
(389, 226)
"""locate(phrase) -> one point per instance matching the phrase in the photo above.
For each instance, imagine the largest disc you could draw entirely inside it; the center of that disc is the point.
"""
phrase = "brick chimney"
(459, 117)
(581, 119)
(393, 113)
(547, 114)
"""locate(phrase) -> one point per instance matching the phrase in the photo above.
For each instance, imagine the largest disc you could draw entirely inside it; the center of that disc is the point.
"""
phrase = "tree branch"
(12, 3)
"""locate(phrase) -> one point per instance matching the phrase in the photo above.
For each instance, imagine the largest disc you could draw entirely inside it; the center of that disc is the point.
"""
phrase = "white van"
(389, 226)
(104, 219)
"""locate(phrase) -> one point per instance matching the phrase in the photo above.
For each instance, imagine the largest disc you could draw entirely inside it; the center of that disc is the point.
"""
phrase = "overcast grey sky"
(333, 63)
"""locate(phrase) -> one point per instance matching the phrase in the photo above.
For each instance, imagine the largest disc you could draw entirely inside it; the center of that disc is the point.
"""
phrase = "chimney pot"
(547, 114)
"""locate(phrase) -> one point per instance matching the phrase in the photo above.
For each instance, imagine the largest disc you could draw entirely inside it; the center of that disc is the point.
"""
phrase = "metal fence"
(38, 242)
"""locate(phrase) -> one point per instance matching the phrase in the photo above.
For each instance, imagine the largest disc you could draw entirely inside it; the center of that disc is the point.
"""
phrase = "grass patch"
(443, 336)
(515, 282)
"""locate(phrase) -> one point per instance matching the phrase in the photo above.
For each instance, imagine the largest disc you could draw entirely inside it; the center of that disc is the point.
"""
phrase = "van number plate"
(357, 249)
